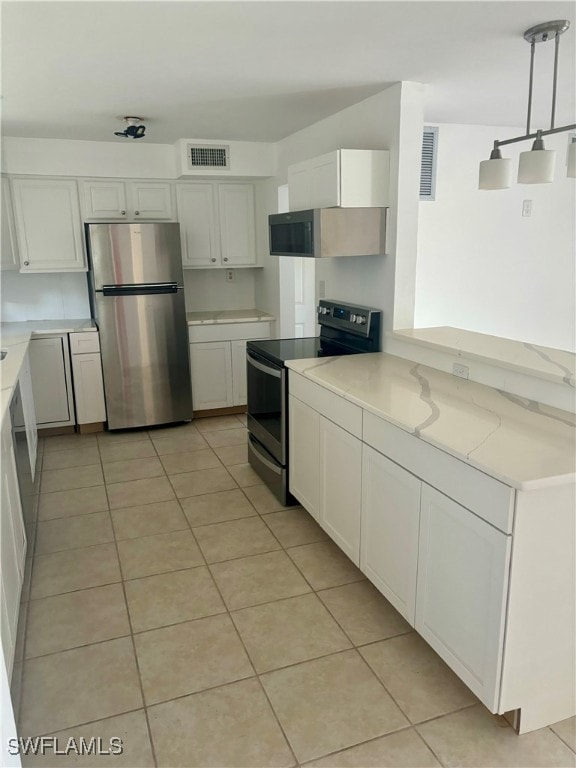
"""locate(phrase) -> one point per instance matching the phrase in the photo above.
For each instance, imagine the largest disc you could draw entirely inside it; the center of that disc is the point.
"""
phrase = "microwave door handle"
(264, 368)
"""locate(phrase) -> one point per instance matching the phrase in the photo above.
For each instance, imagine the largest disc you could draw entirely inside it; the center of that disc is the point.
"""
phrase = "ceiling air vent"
(428, 164)
(209, 156)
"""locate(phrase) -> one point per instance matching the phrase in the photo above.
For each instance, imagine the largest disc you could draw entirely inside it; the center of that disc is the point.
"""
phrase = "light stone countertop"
(15, 338)
(544, 362)
(222, 316)
(524, 444)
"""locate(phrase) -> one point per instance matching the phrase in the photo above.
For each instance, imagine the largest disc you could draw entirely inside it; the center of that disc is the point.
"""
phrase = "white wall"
(390, 120)
(207, 289)
(44, 297)
(484, 267)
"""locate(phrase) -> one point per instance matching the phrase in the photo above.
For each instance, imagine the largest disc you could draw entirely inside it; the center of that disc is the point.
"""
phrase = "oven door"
(266, 384)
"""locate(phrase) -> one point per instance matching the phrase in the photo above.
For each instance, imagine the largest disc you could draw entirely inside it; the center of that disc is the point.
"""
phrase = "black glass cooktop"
(280, 350)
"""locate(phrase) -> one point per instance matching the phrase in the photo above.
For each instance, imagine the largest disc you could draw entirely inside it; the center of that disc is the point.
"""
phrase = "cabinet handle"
(225, 258)
(212, 259)
(136, 213)
(123, 213)
(26, 263)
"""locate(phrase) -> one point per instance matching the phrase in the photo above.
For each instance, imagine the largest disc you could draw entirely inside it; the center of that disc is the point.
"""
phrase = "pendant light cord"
(530, 84)
(556, 49)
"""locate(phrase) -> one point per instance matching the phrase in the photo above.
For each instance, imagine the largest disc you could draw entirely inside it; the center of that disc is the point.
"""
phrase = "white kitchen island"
(457, 501)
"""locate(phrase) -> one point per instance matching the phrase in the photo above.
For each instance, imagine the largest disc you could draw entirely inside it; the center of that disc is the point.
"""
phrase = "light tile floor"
(172, 602)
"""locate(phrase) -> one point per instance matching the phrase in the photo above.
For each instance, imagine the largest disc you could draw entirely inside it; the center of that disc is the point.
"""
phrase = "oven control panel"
(347, 316)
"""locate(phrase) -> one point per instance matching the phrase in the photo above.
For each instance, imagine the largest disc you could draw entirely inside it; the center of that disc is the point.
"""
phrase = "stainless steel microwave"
(327, 232)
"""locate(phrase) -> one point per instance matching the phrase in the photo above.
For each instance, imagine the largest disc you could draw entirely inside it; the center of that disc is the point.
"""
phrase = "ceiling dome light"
(134, 130)
(495, 173)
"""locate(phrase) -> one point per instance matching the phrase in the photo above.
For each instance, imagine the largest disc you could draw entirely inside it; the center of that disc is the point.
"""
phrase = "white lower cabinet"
(12, 547)
(326, 474)
(88, 388)
(304, 432)
(341, 487)
(28, 412)
(51, 381)
(211, 370)
(239, 383)
(462, 591)
(390, 525)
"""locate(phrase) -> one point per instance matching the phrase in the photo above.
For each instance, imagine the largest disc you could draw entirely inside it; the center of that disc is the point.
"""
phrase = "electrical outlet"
(229, 275)
(460, 370)
(527, 208)
(322, 289)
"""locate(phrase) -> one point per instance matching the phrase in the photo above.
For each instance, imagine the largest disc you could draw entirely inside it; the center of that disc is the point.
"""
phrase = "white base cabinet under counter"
(483, 570)
(88, 379)
(52, 381)
(218, 362)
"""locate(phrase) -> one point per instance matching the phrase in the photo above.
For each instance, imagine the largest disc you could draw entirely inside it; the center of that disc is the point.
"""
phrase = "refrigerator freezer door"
(145, 358)
(134, 253)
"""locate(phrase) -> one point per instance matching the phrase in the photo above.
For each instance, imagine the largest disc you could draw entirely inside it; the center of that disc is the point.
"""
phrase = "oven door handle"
(264, 368)
(267, 463)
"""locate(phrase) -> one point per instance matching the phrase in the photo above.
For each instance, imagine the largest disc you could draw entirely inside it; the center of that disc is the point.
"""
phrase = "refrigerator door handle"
(138, 289)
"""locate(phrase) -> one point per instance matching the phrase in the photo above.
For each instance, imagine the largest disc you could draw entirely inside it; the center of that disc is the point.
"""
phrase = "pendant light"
(495, 173)
(536, 166)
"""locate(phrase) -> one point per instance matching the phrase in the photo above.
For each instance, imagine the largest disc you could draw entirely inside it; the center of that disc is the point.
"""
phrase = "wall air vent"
(209, 156)
(428, 163)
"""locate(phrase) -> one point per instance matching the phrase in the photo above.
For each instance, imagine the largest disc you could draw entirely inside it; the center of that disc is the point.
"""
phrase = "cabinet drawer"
(228, 331)
(81, 343)
(486, 497)
(333, 407)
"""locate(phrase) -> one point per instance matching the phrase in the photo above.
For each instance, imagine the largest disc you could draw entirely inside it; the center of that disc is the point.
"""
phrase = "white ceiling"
(262, 70)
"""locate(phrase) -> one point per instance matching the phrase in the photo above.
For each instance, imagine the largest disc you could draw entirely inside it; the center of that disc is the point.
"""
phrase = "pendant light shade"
(495, 173)
(537, 165)
(571, 172)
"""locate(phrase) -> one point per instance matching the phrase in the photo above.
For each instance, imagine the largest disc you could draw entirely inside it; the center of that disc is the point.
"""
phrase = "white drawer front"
(229, 332)
(486, 497)
(81, 343)
(332, 406)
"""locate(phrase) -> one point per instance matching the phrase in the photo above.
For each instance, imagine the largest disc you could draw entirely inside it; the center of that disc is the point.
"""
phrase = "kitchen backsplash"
(208, 289)
(63, 295)
(44, 297)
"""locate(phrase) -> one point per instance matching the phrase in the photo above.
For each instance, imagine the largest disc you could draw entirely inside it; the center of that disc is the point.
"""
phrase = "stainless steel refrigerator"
(137, 299)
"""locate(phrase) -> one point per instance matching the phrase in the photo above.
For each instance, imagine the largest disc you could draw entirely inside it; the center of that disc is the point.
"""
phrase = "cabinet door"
(237, 227)
(299, 187)
(28, 412)
(9, 252)
(390, 521)
(88, 388)
(211, 369)
(49, 381)
(105, 200)
(12, 547)
(48, 225)
(341, 487)
(304, 478)
(240, 396)
(197, 217)
(462, 590)
(325, 180)
(151, 200)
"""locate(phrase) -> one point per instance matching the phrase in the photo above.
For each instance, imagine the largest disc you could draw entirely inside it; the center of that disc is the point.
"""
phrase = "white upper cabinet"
(217, 224)
(127, 200)
(198, 232)
(349, 178)
(237, 226)
(9, 252)
(48, 225)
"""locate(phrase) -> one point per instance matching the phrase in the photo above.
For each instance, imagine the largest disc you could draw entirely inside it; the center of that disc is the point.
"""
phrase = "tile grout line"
(129, 617)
